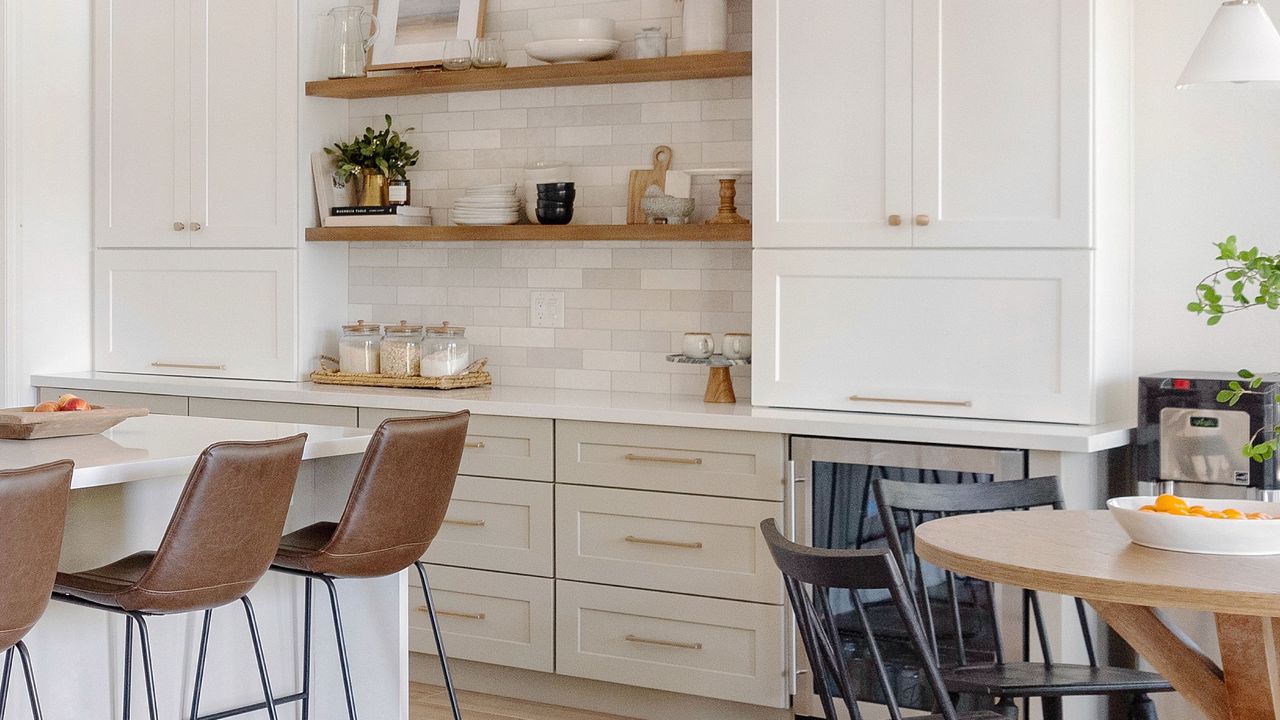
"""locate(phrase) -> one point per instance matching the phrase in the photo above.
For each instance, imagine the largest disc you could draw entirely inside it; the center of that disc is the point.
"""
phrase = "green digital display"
(1204, 422)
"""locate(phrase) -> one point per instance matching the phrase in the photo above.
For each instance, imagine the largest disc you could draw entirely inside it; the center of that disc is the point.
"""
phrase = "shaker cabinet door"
(832, 123)
(200, 313)
(962, 333)
(141, 128)
(244, 123)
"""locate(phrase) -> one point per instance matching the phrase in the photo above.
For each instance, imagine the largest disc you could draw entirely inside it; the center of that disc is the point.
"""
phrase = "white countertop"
(166, 445)
(634, 408)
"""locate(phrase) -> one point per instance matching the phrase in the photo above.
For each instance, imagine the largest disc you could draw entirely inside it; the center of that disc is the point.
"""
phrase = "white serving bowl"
(578, 50)
(1207, 536)
(574, 29)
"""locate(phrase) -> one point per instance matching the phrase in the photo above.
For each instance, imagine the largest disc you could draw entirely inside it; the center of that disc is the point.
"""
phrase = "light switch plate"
(546, 309)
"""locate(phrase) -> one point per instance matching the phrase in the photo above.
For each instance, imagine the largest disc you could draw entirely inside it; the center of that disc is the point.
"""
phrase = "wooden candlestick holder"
(728, 214)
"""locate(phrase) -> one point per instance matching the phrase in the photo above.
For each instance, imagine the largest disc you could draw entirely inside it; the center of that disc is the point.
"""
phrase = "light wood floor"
(428, 702)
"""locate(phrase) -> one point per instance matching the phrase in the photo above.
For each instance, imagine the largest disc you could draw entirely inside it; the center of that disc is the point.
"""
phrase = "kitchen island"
(126, 484)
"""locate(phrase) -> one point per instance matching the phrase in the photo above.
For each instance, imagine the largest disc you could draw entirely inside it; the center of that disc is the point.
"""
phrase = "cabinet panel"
(833, 123)
(244, 123)
(493, 524)
(204, 313)
(984, 334)
(1002, 115)
(273, 411)
(141, 134)
(505, 447)
(157, 404)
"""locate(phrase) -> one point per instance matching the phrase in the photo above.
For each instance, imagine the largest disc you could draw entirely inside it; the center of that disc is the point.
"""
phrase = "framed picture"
(412, 33)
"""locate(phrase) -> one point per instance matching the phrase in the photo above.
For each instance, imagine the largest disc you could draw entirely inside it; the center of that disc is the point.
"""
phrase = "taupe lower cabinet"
(624, 553)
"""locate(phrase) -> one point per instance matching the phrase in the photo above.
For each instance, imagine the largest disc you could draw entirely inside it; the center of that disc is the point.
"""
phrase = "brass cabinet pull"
(908, 401)
(478, 445)
(895, 220)
(179, 227)
(660, 459)
(467, 523)
(454, 613)
(667, 543)
(664, 643)
(195, 227)
(188, 366)
(922, 220)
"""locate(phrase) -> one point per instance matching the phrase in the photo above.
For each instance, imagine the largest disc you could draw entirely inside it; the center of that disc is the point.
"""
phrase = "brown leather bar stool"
(219, 543)
(395, 509)
(33, 514)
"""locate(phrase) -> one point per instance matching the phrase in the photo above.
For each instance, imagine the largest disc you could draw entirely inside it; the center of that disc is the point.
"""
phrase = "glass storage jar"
(402, 350)
(359, 347)
(446, 351)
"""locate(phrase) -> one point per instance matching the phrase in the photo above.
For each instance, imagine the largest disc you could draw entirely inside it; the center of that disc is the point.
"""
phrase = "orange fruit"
(1148, 508)
(1233, 514)
(1167, 503)
(1258, 516)
(1177, 511)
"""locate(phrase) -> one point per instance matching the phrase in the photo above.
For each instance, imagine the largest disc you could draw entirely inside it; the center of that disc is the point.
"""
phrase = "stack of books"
(377, 216)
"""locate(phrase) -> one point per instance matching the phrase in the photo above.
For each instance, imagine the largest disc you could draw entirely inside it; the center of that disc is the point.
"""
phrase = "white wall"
(49, 160)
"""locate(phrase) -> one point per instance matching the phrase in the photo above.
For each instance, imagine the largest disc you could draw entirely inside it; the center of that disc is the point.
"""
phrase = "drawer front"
(273, 412)
(713, 648)
(157, 404)
(487, 617)
(683, 460)
(661, 541)
(504, 447)
(493, 524)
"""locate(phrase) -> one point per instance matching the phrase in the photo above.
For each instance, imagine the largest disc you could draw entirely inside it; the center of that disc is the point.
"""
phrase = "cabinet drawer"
(504, 447)
(683, 460)
(273, 411)
(200, 313)
(157, 404)
(487, 617)
(713, 648)
(496, 524)
(661, 541)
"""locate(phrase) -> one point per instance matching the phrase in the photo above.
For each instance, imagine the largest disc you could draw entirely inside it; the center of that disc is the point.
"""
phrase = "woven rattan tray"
(476, 376)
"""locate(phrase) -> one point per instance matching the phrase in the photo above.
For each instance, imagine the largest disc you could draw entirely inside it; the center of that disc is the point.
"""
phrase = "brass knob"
(895, 220)
(179, 227)
(195, 227)
(922, 220)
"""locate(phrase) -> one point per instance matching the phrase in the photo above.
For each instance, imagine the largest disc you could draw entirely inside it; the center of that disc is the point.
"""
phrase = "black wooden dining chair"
(903, 507)
(810, 575)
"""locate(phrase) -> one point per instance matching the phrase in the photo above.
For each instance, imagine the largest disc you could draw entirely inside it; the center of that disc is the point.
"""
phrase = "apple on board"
(75, 404)
(46, 407)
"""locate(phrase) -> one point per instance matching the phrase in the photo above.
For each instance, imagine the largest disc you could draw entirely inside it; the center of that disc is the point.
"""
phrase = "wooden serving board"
(23, 424)
(642, 179)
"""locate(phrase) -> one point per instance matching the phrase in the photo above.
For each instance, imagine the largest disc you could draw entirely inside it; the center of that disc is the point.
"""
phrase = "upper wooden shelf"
(680, 67)
(575, 233)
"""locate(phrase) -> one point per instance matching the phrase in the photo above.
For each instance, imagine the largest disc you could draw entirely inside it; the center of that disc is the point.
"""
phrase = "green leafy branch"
(1253, 449)
(1254, 279)
(384, 151)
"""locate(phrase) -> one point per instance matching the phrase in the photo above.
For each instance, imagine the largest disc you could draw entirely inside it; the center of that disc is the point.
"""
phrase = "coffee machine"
(1190, 444)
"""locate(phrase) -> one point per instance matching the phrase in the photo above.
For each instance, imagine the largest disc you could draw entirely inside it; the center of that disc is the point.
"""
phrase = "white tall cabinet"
(942, 195)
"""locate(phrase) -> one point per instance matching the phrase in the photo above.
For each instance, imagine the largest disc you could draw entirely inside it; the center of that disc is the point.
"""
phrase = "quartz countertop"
(633, 408)
(165, 445)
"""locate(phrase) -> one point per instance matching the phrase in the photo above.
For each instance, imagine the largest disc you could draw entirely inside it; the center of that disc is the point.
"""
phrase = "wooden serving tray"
(22, 424)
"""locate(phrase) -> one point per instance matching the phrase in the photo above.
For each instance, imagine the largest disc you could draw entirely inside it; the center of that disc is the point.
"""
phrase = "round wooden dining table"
(1084, 553)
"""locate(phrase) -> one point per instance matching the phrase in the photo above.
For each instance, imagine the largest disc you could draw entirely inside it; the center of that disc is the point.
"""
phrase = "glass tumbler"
(457, 54)
(489, 53)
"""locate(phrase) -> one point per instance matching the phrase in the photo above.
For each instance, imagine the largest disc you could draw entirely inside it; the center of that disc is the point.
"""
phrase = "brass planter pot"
(371, 188)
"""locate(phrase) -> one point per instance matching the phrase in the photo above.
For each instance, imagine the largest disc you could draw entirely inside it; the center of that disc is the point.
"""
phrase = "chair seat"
(975, 715)
(1019, 679)
(106, 584)
(307, 550)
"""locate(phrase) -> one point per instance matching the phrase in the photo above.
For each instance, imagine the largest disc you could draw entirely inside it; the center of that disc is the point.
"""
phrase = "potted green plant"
(374, 159)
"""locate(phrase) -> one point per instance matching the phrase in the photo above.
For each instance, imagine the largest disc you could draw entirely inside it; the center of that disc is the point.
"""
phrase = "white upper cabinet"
(196, 123)
(928, 123)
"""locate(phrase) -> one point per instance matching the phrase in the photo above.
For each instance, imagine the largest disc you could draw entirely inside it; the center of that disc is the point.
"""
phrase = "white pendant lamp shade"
(1240, 46)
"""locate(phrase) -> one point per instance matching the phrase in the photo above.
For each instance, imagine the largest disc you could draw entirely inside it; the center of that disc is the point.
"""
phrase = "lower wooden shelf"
(550, 233)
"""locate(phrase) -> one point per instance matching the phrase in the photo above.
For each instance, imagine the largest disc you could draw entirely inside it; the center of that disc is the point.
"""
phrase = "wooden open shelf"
(680, 67)
(575, 233)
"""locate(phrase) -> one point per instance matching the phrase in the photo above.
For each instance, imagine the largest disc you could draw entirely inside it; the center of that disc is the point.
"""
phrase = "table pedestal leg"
(1248, 646)
(719, 387)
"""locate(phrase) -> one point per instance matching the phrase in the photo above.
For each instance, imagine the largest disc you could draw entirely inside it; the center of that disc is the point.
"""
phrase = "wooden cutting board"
(642, 179)
(23, 424)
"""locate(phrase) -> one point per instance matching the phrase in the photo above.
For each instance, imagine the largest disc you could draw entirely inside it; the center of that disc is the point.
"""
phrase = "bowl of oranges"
(1212, 527)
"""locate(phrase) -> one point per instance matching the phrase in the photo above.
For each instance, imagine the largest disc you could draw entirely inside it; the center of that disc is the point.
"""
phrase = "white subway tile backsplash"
(665, 112)
(486, 100)
(555, 277)
(529, 337)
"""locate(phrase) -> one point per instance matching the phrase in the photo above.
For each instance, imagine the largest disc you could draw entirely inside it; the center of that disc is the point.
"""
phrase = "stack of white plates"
(488, 205)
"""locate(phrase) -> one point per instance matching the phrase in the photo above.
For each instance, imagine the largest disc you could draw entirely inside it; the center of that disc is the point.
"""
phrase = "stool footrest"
(285, 700)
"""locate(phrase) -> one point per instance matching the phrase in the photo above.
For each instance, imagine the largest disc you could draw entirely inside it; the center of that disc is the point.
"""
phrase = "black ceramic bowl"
(557, 196)
(554, 187)
(555, 214)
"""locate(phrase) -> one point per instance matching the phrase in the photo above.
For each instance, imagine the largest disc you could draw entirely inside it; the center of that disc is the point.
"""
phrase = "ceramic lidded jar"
(706, 26)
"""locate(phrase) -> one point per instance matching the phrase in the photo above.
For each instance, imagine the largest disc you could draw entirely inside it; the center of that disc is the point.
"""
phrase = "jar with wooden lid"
(359, 348)
(446, 351)
(402, 350)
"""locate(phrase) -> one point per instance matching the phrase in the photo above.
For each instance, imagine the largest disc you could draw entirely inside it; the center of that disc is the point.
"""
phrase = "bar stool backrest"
(33, 514)
(401, 493)
(226, 527)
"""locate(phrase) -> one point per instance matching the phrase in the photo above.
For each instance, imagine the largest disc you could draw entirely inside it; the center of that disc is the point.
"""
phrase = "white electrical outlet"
(546, 309)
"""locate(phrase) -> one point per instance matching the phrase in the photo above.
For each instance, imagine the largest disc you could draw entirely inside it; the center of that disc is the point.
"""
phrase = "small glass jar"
(359, 348)
(651, 42)
(402, 350)
(398, 191)
(446, 351)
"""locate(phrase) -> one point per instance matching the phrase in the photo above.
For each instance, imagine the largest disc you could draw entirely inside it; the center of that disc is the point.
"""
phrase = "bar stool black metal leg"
(30, 674)
(342, 647)
(435, 629)
(262, 658)
(128, 664)
(306, 653)
(204, 651)
(4, 682)
(148, 673)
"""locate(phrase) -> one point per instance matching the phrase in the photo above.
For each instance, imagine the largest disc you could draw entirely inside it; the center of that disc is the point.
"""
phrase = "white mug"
(737, 346)
(698, 345)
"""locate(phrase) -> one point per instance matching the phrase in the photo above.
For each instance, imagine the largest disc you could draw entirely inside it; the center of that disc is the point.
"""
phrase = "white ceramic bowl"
(1208, 536)
(578, 50)
(574, 29)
